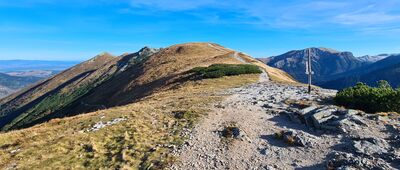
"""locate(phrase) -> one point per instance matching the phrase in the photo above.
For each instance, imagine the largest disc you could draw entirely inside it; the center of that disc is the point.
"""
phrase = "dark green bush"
(382, 98)
(220, 70)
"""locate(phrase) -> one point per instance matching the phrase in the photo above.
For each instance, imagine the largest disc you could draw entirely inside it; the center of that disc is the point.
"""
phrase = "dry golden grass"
(273, 73)
(145, 138)
(164, 66)
(290, 140)
(99, 82)
(183, 57)
(142, 141)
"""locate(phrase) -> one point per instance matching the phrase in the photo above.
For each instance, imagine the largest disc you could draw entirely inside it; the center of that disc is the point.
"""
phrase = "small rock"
(293, 117)
(358, 120)
(292, 137)
(300, 141)
(351, 112)
(231, 132)
(368, 148)
(15, 151)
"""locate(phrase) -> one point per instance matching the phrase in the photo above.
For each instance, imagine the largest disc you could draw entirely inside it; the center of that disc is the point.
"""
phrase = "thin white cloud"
(386, 30)
(289, 14)
(372, 18)
(173, 5)
(373, 14)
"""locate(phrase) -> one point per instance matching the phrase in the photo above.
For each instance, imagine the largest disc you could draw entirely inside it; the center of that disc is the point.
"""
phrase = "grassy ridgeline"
(382, 98)
(220, 70)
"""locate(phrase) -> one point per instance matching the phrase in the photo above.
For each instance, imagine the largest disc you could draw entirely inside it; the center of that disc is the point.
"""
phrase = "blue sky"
(80, 29)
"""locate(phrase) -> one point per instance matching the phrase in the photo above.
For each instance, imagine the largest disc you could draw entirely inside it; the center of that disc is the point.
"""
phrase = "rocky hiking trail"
(280, 126)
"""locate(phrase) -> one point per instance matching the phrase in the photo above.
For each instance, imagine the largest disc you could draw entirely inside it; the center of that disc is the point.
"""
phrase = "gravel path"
(255, 109)
(257, 149)
(237, 57)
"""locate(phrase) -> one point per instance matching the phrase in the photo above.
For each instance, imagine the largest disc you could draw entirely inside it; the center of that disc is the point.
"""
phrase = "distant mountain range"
(10, 84)
(34, 73)
(372, 59)
(16, 82)
(386, 69)
(338, 70)
(325, 63)
(4, 91)
(17, 74)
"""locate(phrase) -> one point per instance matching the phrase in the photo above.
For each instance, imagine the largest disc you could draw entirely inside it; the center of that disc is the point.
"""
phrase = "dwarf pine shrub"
(220, 70)
(382, 98)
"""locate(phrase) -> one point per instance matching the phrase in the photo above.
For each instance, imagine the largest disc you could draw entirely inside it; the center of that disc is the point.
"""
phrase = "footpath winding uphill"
(270, 125)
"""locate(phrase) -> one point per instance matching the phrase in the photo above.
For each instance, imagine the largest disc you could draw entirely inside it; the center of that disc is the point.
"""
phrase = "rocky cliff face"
(325, 63)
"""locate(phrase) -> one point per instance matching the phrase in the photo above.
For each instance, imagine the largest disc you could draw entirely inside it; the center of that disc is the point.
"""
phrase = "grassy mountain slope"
(32, 104)
(145, 139)
(145, 96)
(106, 81)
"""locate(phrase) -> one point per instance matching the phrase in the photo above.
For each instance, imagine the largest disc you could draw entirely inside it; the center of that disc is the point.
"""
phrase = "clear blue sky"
(80, 29)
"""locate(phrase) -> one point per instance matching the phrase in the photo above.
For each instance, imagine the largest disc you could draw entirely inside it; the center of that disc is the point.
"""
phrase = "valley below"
(18, 74)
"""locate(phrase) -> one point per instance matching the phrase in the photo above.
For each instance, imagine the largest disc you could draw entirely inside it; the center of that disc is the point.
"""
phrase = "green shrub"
(220, 70)
(382, 98)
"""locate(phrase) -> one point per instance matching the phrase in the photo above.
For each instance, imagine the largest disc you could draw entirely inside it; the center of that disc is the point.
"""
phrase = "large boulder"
(304, 114)
(329, 117)
(321, 118)
(347, 161)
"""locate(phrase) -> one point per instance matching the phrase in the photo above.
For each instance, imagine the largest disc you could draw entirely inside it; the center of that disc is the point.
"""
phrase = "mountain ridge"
(180, 116)
(109, 81)
(373, 58)
(384, 69)
(335, 69)
(326, 62)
